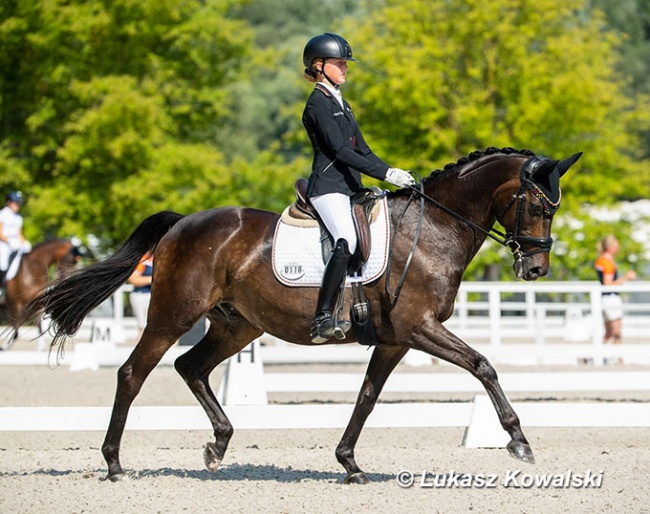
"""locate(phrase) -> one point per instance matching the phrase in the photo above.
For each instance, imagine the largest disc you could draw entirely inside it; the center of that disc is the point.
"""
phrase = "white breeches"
(5, 252)
(336, 212)
(14, 245)
(140, 306)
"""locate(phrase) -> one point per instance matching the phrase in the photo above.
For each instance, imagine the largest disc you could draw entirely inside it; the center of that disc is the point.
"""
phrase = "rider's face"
(336, 70)
(14, 206)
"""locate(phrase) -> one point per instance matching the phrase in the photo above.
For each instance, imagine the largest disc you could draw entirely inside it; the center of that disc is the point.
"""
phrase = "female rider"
(340, 156)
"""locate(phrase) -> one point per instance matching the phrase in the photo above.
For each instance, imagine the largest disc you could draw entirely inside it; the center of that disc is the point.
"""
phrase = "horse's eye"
(535, 210)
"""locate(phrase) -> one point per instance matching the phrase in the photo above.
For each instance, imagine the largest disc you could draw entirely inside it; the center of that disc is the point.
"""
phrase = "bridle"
(513, 240)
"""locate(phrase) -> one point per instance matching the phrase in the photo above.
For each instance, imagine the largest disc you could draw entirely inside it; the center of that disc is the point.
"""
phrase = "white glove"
(399, 178)
(14, 244)
(26, 247)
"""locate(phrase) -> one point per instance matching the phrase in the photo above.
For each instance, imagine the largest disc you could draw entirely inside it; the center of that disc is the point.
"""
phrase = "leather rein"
(513, 240)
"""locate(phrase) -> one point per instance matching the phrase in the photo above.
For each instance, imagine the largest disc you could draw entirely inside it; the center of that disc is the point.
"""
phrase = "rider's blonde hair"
(606, 243)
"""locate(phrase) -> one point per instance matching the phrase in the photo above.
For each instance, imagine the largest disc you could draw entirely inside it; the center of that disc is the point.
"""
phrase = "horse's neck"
(41, 257)
(471, 199)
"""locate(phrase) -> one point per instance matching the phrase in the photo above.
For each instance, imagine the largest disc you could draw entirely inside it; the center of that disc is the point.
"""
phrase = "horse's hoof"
(212, 457)
(521, 451)
(118, 477)
(357, 478)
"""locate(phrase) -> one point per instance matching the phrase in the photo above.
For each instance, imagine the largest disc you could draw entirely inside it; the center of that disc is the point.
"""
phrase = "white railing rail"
(490, 316)
(536, 310)
(543, 312)
(540, 298)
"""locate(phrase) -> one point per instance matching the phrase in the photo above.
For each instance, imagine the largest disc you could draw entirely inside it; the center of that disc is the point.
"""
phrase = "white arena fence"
(516, 323)
(245, 387)
(509, 322)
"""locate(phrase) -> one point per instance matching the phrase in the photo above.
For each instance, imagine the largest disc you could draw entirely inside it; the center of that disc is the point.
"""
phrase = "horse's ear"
(545, 168)
(564, 165)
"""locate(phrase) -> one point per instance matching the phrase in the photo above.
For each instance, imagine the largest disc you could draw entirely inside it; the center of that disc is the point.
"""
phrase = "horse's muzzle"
(529, 268)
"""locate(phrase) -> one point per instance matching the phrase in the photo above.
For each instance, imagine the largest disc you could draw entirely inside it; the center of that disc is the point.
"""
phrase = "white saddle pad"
(297, 258)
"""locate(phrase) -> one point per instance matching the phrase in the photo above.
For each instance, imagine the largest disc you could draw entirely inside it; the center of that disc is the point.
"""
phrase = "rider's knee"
(345, 246)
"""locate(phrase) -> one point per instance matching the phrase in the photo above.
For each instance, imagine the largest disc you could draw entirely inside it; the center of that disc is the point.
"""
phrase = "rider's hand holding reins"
(399, 177)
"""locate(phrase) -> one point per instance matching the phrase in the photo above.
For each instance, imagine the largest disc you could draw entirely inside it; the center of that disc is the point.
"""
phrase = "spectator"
(141, 295)
(608, 275)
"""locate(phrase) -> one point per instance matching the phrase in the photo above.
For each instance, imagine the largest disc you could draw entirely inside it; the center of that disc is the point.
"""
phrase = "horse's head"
(65, 255)
(529, 211)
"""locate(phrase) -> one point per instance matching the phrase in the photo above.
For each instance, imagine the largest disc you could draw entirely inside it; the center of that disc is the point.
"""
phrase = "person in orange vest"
(608, 275)
(139, 298)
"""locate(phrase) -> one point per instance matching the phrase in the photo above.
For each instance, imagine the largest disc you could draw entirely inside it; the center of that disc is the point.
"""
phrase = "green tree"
(99, 96)
(631, 18)
(266, 114)
(461, 76)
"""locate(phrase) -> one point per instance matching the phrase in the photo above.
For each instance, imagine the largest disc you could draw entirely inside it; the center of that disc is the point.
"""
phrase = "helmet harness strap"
(324, 60)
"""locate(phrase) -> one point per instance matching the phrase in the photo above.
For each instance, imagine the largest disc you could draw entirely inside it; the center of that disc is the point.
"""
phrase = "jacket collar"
(328, 93)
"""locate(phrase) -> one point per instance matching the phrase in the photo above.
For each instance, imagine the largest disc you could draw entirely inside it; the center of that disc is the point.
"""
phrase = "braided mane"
(477, 155)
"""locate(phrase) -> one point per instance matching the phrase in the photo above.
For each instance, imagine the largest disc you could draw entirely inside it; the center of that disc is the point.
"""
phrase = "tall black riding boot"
(324, 326)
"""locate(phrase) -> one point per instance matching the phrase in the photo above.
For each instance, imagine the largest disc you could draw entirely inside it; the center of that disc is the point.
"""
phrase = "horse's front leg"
(436, 340)
(382, 363)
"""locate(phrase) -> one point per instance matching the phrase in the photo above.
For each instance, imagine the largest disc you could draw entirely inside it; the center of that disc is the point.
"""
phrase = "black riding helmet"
(325, 46)
(15, 196)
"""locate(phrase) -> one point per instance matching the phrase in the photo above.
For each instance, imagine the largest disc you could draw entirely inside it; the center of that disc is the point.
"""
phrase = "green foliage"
(577, 237)
(113, 110)
(269, 100)
(459, 76)
(98, 97)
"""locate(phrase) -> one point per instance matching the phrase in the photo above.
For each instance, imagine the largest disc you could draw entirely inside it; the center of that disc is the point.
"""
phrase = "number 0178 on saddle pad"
(297, 257)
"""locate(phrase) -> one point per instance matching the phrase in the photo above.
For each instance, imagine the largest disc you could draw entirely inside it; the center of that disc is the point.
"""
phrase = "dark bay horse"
(217, 263)
(52, 258)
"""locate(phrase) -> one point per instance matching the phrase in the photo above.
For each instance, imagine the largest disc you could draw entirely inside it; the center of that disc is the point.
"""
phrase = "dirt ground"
(293, 471)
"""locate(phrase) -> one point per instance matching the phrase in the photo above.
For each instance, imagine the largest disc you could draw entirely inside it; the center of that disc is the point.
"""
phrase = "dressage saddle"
(363, 204)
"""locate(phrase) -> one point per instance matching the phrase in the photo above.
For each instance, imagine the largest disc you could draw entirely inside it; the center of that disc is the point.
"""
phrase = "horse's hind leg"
(223, 339)
(130, 377)
(441, 343)
(382, 363)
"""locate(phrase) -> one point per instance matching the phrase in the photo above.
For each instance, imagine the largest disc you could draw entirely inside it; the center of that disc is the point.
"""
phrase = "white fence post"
(595, 295)
(531, 312)
(461, 306)
(243, 381)
(118, 335)
(540, 321)
(494, 312)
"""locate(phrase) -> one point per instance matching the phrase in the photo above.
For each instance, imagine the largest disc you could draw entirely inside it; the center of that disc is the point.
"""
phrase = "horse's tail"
(69, 300)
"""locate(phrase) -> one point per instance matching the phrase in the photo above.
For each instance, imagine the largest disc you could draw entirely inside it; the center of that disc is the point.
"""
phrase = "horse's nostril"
(535, 272)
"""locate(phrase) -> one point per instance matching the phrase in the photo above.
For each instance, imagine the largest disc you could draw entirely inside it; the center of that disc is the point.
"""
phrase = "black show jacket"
(341, 153)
